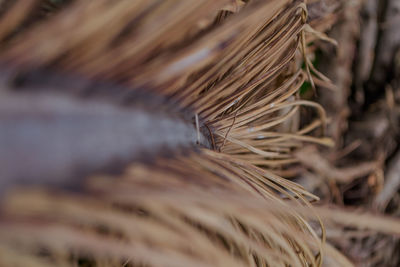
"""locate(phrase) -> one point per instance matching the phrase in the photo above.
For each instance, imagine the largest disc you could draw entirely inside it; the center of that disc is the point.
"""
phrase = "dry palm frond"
(201, 209)
(235, 66)
(238, 69)
(217, 68)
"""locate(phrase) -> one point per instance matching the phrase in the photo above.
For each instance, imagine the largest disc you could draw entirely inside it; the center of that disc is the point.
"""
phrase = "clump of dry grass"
(234, 64)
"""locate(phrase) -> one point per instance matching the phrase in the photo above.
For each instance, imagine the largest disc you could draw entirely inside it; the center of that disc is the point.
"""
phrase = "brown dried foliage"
(237, 66)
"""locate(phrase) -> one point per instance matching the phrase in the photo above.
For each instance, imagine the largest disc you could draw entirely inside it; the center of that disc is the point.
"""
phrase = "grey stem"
(55, 139)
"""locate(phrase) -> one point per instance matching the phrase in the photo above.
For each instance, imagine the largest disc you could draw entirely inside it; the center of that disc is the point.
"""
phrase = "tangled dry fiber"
(236, 68)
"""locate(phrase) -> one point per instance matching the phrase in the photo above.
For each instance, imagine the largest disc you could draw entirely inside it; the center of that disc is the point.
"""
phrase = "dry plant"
(230, 69)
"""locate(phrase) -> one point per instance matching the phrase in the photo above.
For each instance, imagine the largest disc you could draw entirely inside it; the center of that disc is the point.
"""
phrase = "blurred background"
(362, 172)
